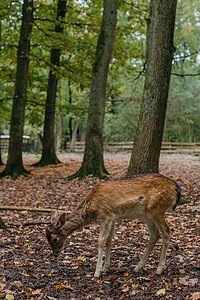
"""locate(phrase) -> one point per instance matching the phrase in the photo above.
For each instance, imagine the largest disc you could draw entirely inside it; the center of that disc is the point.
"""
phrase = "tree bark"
(48, 149)
(60, 132)
(60, 126)
(1, 161)
(14, 166)
(93, 162)
(159, 55)
(73, 139)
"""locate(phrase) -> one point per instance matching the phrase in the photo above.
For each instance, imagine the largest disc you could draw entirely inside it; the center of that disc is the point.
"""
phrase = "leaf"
(125, 289)
(188, 281)
(161, 292)
(17, 283)
(36, 292)
(65, 286)
(195, 296)
(9, 297)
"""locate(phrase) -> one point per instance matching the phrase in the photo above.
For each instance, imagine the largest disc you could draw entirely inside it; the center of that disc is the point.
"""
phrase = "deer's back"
(133, 196)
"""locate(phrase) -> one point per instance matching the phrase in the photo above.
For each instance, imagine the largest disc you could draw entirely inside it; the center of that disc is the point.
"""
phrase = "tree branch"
(183, 75)
(185, 56)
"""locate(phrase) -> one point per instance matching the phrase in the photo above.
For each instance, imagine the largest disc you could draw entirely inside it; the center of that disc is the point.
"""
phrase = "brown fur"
(146, 196)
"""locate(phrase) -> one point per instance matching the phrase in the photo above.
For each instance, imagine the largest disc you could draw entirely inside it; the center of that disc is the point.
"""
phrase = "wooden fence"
(168, 147)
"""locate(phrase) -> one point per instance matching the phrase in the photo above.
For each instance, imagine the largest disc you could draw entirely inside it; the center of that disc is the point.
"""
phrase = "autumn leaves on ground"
(28, 272)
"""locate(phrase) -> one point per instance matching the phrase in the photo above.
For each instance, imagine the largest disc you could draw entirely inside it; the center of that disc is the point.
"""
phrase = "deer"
(144, 196)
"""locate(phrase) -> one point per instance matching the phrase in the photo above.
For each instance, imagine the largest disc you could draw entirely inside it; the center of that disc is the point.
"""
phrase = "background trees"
(126, 72)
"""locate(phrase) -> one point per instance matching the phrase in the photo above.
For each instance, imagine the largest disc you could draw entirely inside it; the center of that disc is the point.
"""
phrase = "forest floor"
(28, 272)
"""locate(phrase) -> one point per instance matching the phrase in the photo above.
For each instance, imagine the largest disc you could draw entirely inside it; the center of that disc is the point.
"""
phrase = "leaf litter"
(28, 272)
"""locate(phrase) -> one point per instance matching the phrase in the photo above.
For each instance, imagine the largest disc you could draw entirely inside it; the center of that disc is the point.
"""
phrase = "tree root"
(15, 173)
(47, 161)
(83, 172)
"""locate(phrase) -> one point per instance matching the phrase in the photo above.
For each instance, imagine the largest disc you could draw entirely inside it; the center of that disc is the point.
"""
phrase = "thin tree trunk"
(70, 102)
(48, 149)
(159, 55)
(1, 161)
(14, 166)
(93, 162)
(60, 132)
(60, 126)
(73, 139)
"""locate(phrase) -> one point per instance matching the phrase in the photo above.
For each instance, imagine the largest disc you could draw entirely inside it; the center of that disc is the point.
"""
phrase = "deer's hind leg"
(154, 235)
(165, 233)
(104, 235)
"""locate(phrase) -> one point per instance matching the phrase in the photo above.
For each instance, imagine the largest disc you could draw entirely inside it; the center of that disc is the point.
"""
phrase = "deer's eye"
(55, 240)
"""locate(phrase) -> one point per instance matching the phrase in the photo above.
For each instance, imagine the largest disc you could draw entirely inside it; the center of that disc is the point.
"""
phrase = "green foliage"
(78, 42)
(121, 121)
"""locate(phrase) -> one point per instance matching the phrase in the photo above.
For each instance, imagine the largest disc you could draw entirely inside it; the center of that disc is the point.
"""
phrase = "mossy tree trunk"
(159, 55)
(14, 166)
(93, 163)
(48, 141)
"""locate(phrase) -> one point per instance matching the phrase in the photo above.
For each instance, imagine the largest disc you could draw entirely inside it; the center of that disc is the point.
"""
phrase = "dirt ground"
(27, 270)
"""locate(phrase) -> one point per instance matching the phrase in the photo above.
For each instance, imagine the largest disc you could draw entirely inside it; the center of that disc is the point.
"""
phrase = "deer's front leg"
(104, 233)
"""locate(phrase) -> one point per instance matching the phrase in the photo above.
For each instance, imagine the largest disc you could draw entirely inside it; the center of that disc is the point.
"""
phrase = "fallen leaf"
(161, 292)
(17, 283)
(10, 297)
(36, 292)
(188, 281)
(195, 296)
(65, 286)
(125, 289)
(182, 271)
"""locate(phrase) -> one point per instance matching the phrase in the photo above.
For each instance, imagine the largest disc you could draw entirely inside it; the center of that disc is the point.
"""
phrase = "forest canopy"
(126, 74)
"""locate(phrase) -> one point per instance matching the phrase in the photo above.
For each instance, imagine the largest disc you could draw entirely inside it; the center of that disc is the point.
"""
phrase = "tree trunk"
(73, 139)
(159, 54)
(14, 166)
(60, 132)
(1, 161)
(93, 162)
(48, 149)
(60, 126)
(70, 102)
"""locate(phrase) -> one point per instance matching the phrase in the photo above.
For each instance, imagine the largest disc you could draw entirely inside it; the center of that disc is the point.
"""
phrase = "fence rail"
(170, 147)
(167, 147)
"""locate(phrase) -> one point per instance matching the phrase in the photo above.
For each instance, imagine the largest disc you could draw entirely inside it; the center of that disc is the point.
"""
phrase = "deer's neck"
(80, 217)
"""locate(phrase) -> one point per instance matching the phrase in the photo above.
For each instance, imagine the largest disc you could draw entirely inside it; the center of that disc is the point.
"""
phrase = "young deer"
(146, 196)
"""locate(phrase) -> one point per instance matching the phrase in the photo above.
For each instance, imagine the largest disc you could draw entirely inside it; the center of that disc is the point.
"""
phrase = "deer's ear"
(62, 220)
(54, 217)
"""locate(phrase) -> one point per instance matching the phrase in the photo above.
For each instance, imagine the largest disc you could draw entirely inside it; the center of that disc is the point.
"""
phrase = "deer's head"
(54, 233)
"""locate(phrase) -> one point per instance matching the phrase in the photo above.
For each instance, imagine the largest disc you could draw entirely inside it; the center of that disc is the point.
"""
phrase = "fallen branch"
(36, 209)
(11, 225)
